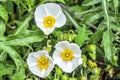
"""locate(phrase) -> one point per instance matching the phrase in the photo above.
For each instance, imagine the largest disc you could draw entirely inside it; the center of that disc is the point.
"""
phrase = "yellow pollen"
(49, 21)
(43, 63)
(67, 55)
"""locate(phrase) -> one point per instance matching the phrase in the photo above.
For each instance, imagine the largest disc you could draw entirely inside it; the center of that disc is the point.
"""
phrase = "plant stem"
(72, 20)
(106, 14)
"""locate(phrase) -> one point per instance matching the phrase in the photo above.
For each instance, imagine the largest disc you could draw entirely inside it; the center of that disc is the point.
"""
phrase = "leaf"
(90, 2)
(116, 4)
(91, 18)
(24, 25)
(20, 70)
(26, 39)
(82, 35)
(108, 38)
(3, 0)
(9, 7)
(3, 13)
(109, 47)
(6, 69)
(114, 27)
(97, 35)
(2, 27)
(3, 56)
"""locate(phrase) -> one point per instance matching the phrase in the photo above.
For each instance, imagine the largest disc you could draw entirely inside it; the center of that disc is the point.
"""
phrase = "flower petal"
(35, 70)
(31, 60)
(62, 45)
(33, 65)
(51, 66)
(64, 65)
(40, 13)
(76, 49)
(57, 54)
(52, 9)
(60, 19)
(46, 31)
(67, 66)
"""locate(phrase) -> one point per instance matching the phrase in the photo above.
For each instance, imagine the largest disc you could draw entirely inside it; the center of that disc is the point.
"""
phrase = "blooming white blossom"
(67, 56)
(48, 17)
(40, 63)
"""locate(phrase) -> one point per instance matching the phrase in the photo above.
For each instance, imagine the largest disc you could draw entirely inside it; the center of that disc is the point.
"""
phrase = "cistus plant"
(59, 39)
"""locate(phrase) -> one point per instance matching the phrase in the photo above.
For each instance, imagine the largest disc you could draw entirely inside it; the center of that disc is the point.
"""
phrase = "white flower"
(48, 17)
(67, 56)
(40, 63)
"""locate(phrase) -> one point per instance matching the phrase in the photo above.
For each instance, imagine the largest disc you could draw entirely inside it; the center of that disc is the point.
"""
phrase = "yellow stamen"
(49, 21)
(43, 63)
(67, 55)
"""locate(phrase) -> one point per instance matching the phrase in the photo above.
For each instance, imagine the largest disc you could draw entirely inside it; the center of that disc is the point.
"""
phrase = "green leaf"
(116, 4)
(6, 69)
(108, 38)
(3, 56)
(9, 7)
(3, 13)
(82, 35)
(20, 70)
(97, 35)
(91, 18)
(114, 27)
(24, 25)
(109, 47)
(24, 39)
(2, 27)
(90, 2)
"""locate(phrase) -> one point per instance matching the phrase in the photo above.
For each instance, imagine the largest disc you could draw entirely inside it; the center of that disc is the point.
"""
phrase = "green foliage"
(3, 13)
(82, 35)
(91, 22)
(6, 69)
(2, 27)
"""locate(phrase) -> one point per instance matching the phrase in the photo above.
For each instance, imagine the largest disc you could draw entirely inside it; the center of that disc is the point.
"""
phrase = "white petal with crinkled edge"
(76, 49)
(52, 9)
(49, 9)
(46, 31)
(33, 66)
(31, 60)
(64, 65)
(62, 45)
(40, 13)
(67, 66)
(60, 19)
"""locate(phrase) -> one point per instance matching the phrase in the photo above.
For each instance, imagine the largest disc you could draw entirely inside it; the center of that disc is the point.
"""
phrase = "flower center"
(49, 21)
(43, 63)
(67, 55)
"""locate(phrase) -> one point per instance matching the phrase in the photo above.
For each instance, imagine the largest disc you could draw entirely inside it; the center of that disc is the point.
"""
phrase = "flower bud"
(47, 48)
(71, 37)
(65, 36)
(64, 77)
(93, 77)
(83, 78)
(58, 71)
(55, 79)
(111, 72)
(115, 58)
(91, 48)
(96, 71)
(91, 64)
(72, 78)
